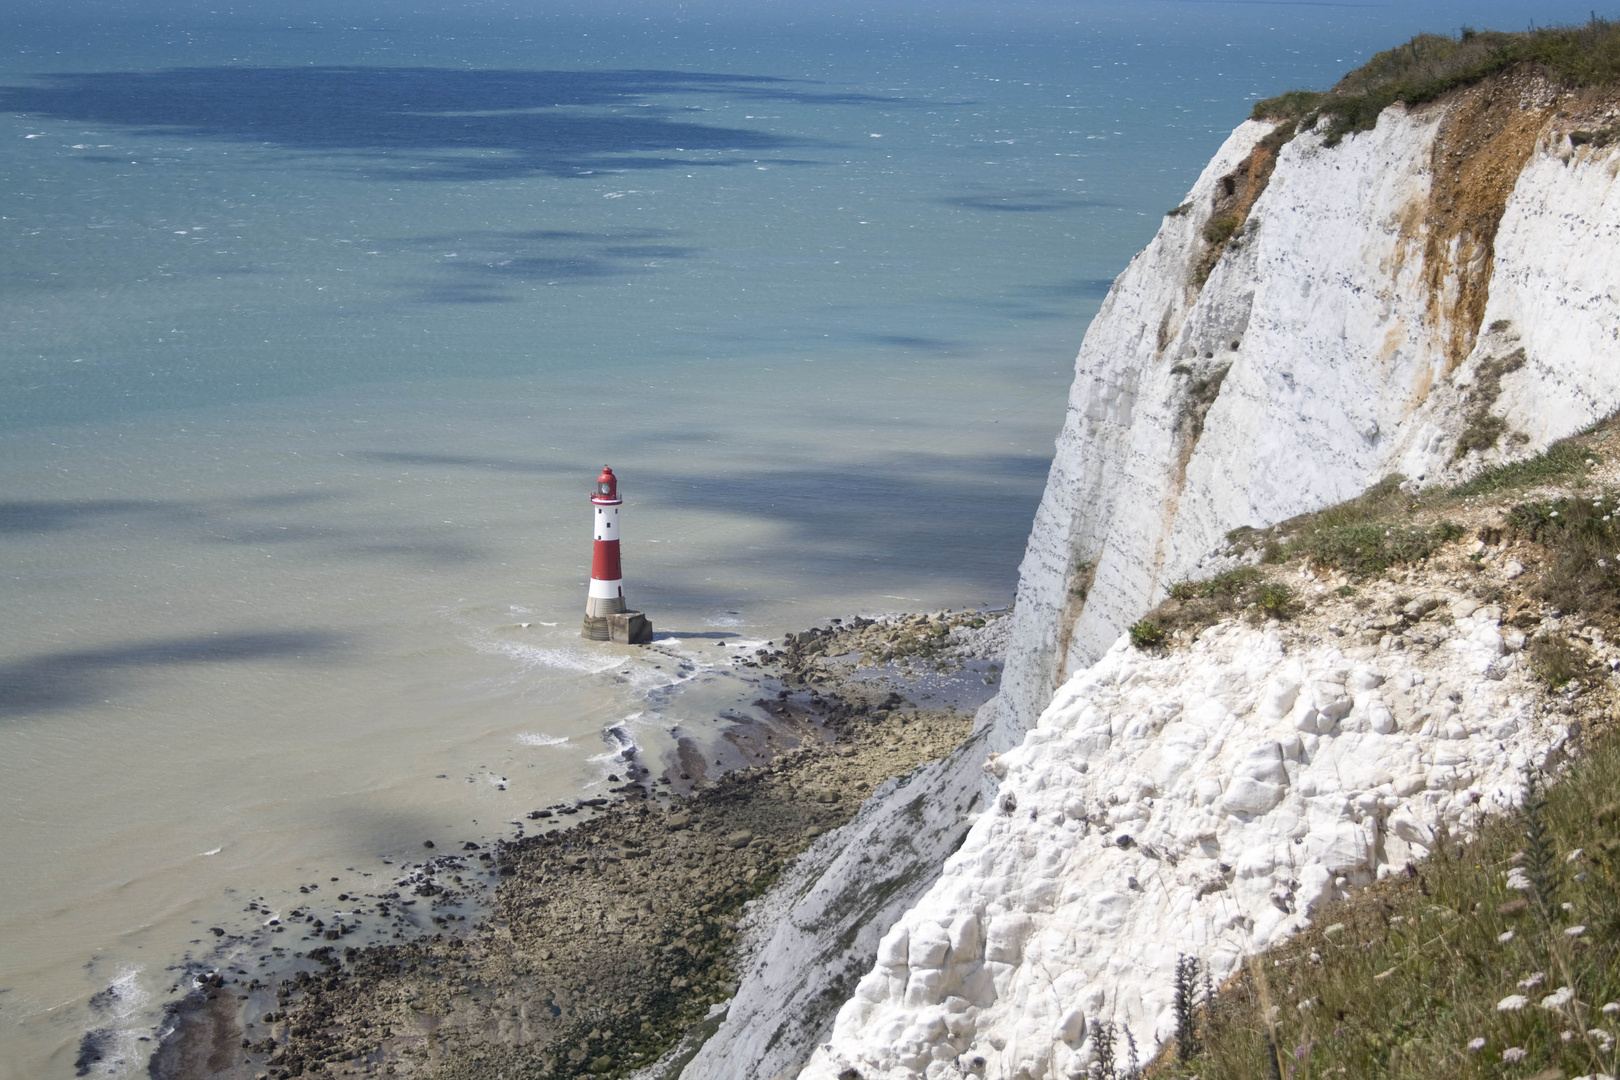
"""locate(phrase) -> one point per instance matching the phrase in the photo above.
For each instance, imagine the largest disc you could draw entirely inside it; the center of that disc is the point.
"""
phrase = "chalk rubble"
(1194, 803)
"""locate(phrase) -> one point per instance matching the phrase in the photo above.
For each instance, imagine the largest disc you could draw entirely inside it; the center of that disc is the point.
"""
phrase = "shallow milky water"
(318, 328)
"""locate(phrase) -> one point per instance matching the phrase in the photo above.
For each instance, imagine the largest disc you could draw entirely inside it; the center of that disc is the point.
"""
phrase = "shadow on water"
(62, 680)
(1023, 202)
(431, 123)
(57, 515)
(913, 519)
(228, 523)
(482, 266)
(923, 517)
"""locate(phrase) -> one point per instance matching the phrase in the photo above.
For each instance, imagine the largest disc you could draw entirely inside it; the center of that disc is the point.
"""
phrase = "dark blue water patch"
(1024, 202)
(1073, 289)
(55, 515)
(457, 461)
(446, 122)
(301, 519)
(68, 678)
(914, 341)
(486, 264)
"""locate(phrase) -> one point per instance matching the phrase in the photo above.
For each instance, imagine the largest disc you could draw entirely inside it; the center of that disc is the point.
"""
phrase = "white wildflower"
(1576, 854)
(1532, 980)
(1476, 1044)
(1513, 1055)
(1558, 998)
(1604, 1040)
(1574, 931)
(1505, 936)
(1518, 881)
(1512, 1003)
(1612, 1009)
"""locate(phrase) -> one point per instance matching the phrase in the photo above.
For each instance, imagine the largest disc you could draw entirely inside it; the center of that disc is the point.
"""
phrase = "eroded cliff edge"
(1445, 278)
(1425, 298)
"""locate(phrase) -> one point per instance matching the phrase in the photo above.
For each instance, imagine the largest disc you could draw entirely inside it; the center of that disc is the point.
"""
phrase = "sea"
(318, 320)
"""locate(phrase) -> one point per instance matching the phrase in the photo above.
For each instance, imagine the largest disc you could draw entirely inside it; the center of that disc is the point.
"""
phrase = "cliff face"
(1423, 298)
(1445, 278)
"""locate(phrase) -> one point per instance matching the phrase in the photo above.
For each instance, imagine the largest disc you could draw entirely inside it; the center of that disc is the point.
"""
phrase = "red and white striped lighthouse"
(607, 617)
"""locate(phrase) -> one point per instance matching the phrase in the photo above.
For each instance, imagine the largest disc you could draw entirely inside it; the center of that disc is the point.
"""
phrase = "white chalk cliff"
(1453, 271)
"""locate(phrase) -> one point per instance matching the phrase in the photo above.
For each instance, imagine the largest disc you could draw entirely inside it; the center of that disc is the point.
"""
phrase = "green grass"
(1430, 65)
(1583, 538)
(1560, 461)
(1194, 605)
(1396, 982)
(1369, 548)
(1146, 634)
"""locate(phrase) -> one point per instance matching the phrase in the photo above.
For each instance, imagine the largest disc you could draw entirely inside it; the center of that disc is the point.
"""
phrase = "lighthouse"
(607, 616)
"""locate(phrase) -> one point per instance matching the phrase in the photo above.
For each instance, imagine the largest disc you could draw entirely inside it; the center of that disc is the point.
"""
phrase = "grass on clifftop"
(1454, 968)
(1431, 64)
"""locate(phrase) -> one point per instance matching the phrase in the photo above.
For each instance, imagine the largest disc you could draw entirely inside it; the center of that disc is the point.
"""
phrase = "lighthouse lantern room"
(607, 616)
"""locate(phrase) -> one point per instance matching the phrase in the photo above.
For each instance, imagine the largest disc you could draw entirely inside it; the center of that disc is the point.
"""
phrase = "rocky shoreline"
(605, 948)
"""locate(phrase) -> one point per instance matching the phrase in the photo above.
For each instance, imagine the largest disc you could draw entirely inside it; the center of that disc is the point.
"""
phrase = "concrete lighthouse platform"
(623, 627)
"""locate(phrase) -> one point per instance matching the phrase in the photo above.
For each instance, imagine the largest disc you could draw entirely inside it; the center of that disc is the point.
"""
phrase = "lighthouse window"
(603, 488)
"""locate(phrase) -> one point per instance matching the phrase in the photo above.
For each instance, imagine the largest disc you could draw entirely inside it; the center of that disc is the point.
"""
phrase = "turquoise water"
(317, 327)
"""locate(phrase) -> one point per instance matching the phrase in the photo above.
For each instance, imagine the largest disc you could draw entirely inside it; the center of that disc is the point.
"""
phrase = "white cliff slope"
(1198, 803)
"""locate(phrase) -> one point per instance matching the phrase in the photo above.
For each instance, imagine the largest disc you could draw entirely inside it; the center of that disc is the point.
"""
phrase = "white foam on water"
(562, 659)
(536, 738)
(121, 1023)
(215, 851)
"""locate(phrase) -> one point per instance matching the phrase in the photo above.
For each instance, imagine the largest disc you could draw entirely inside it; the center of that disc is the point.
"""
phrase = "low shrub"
(1583, 537)
(1555, 661)
(1275, 600)
(1146, 634)
(1219, 230)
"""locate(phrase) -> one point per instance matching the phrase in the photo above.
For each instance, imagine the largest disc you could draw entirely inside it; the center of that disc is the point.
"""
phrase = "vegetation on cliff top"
(1431, 64)
(1494, 959)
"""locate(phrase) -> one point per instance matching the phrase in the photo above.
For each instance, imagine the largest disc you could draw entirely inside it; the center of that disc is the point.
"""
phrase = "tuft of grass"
(1555, 661)
(1403, 980)
(1219, 230)
(1430, 65)
(1275, 600)
(1146, 634)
